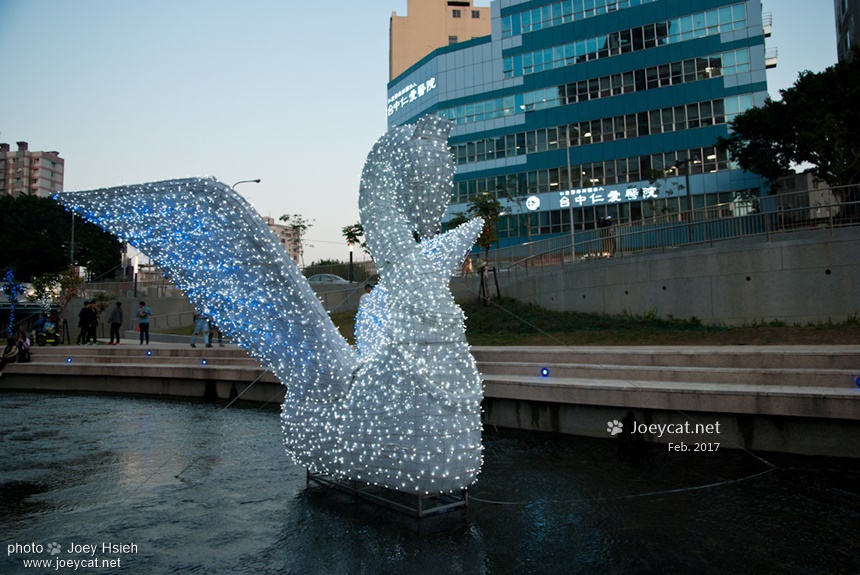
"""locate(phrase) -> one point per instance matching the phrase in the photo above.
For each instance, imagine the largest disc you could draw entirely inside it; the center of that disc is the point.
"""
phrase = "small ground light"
(149, 352)
(204, 362)
(69, 360)
(858, 382)
(544, 372)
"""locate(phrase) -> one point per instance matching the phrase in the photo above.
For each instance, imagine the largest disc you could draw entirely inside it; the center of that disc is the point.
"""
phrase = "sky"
(292, 93)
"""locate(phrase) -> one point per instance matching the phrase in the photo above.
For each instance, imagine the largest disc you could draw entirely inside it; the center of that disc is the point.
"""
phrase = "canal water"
(149, 486)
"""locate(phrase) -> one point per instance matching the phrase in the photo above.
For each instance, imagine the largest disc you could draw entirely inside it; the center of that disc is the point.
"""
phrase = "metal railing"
(816, 210)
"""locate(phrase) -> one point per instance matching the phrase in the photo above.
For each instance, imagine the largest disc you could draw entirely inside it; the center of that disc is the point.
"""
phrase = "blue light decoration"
(149, 352)
(11, 290)
(68, 360)
(544, 372)
(399, 410)
(204, 362)
(858, 382)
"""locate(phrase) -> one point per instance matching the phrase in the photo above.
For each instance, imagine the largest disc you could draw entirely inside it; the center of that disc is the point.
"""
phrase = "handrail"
(817, 210)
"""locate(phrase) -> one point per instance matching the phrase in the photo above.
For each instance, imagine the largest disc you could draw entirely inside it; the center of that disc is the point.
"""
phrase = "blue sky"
(292, 93)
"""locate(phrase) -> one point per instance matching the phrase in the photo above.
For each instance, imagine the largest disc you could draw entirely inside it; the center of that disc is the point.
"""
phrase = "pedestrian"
(10, 353)
(23, 343)
(92, 329)
(214, 328)
(115, 321)
(143, 315)
(201, 325)
(367, 289)
(83, 323)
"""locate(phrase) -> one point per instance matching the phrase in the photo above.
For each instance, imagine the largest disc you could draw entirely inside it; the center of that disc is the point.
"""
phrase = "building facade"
(431, 24)
(847, 26)
(572, 110)
(25, 172)
(286, 235)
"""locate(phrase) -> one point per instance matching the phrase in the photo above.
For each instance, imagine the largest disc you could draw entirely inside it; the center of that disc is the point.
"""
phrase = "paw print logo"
(614, 427)
(53, 548)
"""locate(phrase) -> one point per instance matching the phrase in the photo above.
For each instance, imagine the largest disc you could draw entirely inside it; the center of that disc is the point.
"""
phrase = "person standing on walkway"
(83, 324)
(212, 330)
(143, 315)
(115, 321)
(10, 353)
(92, 330)
(201, 325)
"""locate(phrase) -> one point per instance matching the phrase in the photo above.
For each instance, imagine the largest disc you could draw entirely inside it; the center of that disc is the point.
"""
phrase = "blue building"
(579, 109)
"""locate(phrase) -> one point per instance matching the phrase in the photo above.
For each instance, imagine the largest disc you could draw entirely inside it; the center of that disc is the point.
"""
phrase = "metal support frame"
(410, 503)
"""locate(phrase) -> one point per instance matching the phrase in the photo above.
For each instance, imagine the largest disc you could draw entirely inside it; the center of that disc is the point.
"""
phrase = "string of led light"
(402, 411)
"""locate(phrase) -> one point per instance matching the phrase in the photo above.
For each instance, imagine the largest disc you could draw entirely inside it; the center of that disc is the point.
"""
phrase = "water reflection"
(200, 489)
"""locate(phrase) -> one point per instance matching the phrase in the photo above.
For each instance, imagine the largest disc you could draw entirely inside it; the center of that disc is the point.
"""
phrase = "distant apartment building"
(35, 173)
(286, 236)
(847, 26)
(431, 24)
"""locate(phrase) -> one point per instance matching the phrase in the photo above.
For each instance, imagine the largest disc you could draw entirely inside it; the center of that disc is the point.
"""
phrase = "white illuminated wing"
(219, 251)
(446, 252)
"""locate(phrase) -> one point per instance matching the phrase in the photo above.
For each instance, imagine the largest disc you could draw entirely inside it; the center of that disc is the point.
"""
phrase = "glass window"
(455, 13)
(476, 13)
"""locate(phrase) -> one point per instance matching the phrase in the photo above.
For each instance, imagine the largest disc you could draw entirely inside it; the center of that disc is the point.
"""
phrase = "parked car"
(329, 279)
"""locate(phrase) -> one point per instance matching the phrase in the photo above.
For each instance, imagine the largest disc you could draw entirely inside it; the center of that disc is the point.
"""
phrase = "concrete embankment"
(789, 399)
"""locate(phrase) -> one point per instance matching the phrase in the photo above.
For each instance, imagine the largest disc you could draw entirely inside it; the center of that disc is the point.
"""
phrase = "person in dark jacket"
(115, 321)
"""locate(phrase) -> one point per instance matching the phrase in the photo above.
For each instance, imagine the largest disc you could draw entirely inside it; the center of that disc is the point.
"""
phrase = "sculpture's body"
(403, 408)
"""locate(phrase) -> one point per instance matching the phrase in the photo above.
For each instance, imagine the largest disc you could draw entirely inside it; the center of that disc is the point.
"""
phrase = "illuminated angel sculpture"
(402, 408)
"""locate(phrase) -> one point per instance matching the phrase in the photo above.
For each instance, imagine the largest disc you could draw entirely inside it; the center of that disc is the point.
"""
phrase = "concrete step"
(768, 357)
(830, 378)
(783, 400)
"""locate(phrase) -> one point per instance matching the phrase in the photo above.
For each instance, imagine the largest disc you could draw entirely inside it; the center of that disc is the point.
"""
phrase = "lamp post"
(570, 203)
(350, 262)
(686, 163)
(257, 181)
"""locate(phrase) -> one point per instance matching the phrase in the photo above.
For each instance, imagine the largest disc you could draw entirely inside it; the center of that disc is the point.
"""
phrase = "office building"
(847, 26)
(25, 172)
(579, 109)
(431, 24)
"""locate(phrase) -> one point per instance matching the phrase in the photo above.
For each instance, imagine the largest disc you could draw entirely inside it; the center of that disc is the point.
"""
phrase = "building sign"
(410, 94)
(598, 195)
(533, 203)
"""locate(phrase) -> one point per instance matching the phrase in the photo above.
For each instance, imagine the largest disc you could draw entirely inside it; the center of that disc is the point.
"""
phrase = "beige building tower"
(25, 172)
(431, 24)
(286, 235)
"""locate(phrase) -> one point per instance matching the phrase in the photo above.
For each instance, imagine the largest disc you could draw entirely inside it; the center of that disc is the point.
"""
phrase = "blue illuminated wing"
(219, 251)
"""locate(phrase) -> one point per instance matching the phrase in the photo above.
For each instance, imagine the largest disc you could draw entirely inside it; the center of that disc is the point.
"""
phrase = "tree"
(353, 235)
(58, 288)
(35, 238)
(488, 207)
(458, 220)
(816, 122)
(299, 225)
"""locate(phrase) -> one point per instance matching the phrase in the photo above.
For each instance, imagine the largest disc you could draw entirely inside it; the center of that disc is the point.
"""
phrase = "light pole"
(257, 181)
(677, 165)
(570, 202)
(350, 262)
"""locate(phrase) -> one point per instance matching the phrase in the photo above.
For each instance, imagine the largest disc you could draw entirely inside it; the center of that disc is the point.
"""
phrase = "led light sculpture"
(402, 408)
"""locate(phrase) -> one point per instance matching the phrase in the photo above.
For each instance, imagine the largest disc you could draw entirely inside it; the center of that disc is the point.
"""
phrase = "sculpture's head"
(427, 173)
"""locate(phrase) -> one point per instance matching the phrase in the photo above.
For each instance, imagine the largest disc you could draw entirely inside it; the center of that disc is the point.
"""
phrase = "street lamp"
(570, 204)
(257, 181)
(686, 163)
(350, 262)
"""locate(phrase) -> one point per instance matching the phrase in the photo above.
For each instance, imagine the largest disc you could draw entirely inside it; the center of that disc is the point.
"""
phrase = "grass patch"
(510, 322)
